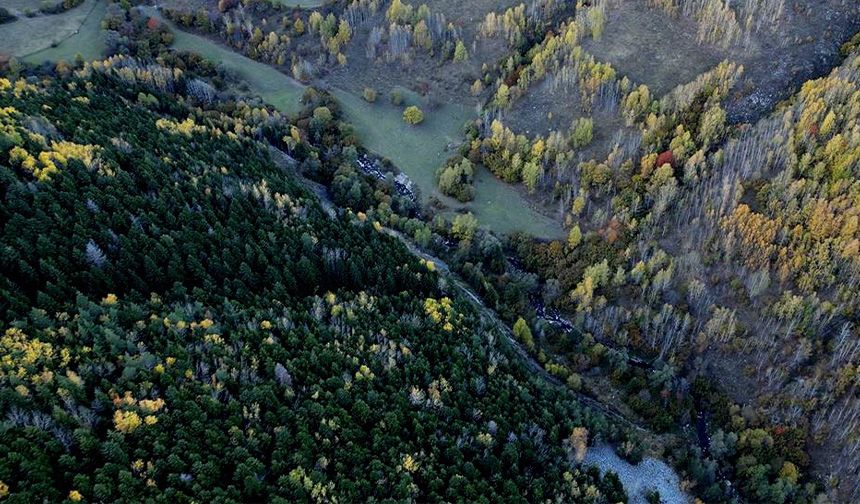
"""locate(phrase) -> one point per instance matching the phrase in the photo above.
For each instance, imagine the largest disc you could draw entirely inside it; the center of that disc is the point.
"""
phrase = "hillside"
(373, 250)
(182, 320)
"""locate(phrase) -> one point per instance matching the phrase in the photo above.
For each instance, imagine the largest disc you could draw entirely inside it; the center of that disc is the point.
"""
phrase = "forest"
(277, 358)
(371, 250)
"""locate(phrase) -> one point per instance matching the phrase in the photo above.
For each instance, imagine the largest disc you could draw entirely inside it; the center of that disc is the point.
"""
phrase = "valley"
(595, 251)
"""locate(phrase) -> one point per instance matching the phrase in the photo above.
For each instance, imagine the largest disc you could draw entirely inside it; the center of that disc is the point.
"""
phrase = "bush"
(369, 95)
(460, 52)
(6, 16)
(413, 115)
(396, 97)
(322, 114)
(60, 6)
(850, 46)
(583, 132)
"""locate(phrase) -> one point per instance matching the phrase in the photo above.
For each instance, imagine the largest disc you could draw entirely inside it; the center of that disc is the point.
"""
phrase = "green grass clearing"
(73, 31)
(89, 41)
(273, 86)
(417, 150)
(502, 208)
(420, 150)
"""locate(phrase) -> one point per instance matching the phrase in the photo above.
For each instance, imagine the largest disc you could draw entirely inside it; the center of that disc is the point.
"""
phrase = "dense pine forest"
(183, 321)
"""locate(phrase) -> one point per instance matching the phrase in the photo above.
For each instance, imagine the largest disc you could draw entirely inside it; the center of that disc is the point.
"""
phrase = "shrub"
(323, 114)
(6, 16)
(583, 132)
(413, 115)
(396, 97)
(460, 52)
(369, 95)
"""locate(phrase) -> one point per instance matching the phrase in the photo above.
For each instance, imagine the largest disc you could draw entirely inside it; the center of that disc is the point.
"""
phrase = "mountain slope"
(180, 320)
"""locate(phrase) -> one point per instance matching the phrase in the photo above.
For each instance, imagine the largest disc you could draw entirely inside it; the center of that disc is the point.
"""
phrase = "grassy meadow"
(273, 86)
(63, 35)
(420, 150)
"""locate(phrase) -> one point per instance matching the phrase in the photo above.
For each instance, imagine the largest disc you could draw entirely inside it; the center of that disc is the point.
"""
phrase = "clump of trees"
(464, 226)
(455, 179)
(413, 29)
(561, 55)
(719, 22)
(129, 32)
(62, 6)
(517, 24)
(334, 34)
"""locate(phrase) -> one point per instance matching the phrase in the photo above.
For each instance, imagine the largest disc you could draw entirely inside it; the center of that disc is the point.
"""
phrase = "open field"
(273, 86)
(504, 209)
(89, 41)
(419, 150)
(77, 30)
